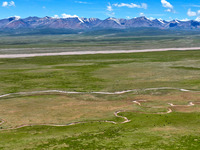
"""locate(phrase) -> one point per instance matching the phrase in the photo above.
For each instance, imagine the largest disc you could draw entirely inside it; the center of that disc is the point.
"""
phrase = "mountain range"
(77, 23)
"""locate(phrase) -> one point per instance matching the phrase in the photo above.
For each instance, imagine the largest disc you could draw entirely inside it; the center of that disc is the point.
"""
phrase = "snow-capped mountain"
(77, 23)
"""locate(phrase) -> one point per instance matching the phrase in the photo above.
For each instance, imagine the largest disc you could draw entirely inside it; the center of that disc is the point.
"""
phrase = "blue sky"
(165, 9)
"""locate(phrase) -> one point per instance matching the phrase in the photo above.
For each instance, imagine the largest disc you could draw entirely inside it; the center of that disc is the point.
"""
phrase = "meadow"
(163, 109)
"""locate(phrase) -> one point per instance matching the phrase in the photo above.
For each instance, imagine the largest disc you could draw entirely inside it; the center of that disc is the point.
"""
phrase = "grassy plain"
(103, 72)
(96, 41)
(114, 72)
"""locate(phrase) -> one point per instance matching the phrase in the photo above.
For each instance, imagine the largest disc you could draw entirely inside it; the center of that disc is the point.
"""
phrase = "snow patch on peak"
(176, 21)
(47, 17)
(143, 17)
(93, 19)
(15, 17)
(161, 21)
(12, 19)
(116, 20)
(80, 20)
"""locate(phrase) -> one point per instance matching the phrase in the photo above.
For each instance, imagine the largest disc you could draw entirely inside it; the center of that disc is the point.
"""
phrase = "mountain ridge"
(77, 23)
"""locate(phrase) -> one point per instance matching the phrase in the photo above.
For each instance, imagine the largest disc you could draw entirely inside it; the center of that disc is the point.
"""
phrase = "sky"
(164, 9)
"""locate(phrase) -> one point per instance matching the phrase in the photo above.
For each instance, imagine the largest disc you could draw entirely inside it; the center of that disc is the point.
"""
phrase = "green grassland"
(103, 72)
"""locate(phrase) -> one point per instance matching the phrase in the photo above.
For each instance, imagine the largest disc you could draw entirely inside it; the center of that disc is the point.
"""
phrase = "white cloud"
(56, 16)
(144, 5)
(69, 16)
(191, 13)
(142, 14)
(11, 3)
(131, 5)
(110, 14)
(109, 7)
(81, 2)
(193, 5)
(128, 17)
(151, 18)
(186, 19)
(5, 4)
(8, 4)
(167, 5)
(65, 16)
(168, 10)
(198, 18)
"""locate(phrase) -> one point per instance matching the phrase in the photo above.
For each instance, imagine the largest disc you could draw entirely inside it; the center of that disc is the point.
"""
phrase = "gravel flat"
(95, 52)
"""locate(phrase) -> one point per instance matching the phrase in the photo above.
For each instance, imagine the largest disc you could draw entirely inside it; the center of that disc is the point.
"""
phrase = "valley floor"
(148, 100)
